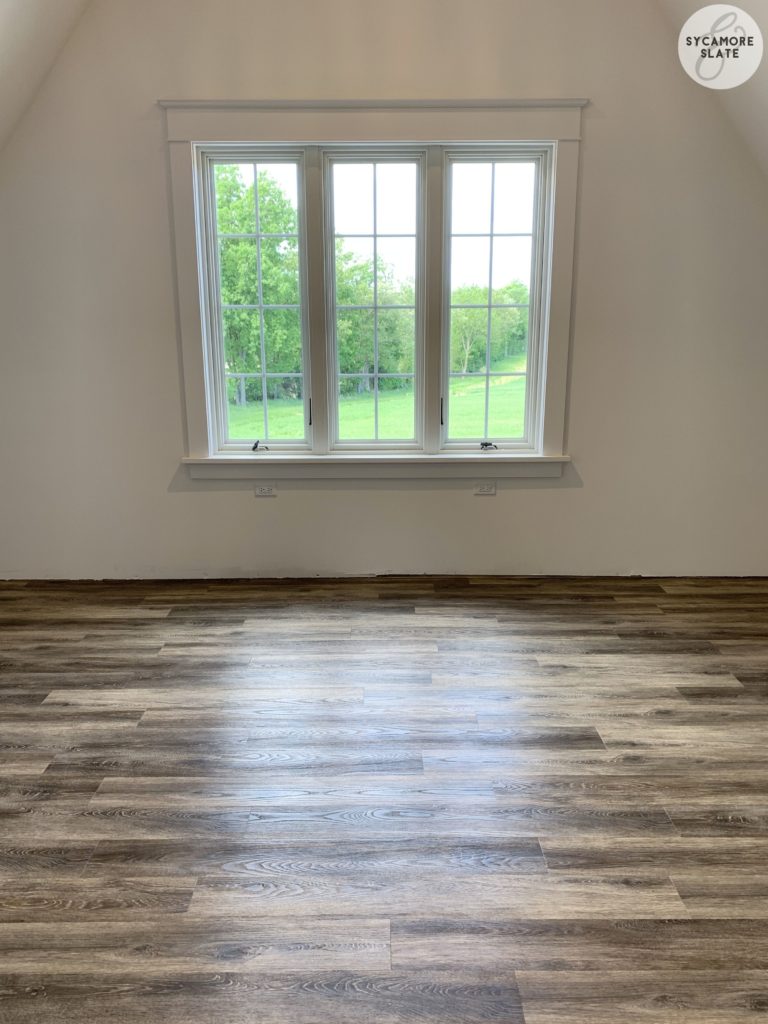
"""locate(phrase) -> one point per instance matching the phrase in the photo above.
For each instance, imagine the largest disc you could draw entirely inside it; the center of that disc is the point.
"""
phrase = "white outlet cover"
(485, 487)
(265, 490)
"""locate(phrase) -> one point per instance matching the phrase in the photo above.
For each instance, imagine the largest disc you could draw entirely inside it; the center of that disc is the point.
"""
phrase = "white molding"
(192, 124)
(443, 122)
(559, 307)
(197, 370)
(455, 104)
(374, 467)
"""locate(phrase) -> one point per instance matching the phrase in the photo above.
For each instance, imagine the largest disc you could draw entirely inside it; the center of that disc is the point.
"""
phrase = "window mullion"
(317, 305)
(432, 214)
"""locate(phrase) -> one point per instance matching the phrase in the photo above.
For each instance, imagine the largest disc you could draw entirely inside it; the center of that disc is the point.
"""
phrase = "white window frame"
(197, 129)
(374, 154)
(210, 297)
(543, 155)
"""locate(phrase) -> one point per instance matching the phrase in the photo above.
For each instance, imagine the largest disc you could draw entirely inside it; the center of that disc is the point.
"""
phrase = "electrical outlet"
(487, 487)
(266, 490)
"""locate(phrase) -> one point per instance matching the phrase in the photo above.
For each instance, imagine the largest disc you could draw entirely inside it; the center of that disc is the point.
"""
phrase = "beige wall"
(668, 414)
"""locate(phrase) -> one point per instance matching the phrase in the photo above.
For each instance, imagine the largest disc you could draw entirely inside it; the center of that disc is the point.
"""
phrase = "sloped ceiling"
(747, 105)
(32, 33)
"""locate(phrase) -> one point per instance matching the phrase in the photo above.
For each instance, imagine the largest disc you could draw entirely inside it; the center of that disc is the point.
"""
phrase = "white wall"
(668, 414)
(32, 33)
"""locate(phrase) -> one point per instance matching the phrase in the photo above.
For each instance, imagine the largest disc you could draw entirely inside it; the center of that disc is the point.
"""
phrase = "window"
(387, 299)
(257, 293)
(375, 216)
(494, 244)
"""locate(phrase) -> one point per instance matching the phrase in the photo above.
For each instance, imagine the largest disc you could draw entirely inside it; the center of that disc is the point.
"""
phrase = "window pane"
(238, 262)
(470, 270)
(354, 340)
(242, 340)
(396, 409)
(466, 407)
(245, 408)
(511, 264)
(396, 271)
(278, 193)
(354, 271)
(357, 415)
(509, 340)
(285, 408)
(353, 199)
(397, 340)
(506, 407)
(491, 341)
(280, 271)
(396, 198)
(513, 197)
(469, 339)
(375, 281)
(235, 203)
(282, 340)
(261, 344)
(471, 198)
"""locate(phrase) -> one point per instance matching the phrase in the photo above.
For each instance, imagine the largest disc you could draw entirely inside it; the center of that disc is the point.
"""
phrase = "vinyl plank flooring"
(697, 821)
(187, 943)
(68, 900)
(205, 697)
(668, 855)
(561, 943)
(37, 862)
(389, 997)
(708, 894)
(309, 760)
(52, 823)
(394, 800)
(604, 997)
(250, 860)
(508, 896)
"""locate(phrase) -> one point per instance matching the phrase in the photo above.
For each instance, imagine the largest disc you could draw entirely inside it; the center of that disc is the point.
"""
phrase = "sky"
(474, 185)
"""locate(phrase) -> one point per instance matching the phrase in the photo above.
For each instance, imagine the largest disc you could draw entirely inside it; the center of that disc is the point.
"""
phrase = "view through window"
(374, 279)
(490, 270)
(260, 293)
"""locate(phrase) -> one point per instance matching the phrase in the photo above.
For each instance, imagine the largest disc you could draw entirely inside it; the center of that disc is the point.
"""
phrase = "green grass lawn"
(466, 404)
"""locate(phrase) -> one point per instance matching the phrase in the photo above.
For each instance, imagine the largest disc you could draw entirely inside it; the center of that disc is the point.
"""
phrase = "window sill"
(372, 466)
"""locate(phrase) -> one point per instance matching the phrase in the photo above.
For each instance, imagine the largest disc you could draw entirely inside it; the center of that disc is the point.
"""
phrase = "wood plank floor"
(421, 800)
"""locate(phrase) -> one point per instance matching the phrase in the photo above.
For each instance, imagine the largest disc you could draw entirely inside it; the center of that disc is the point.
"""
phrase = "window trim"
(375, 153)
(556, 123)
(543, 154)
(208, 255)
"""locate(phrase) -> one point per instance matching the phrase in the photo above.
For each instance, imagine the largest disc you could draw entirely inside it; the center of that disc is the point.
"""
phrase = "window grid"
(375, 309)
(493, 328)
(490, 306)
(496, 305)
(492, 373)
(260, 293)
(262, 234)
(291, 306)
(496, 234)
(260, 307)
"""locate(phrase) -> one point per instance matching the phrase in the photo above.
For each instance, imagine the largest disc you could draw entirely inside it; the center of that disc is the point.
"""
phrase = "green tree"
(239, 261)
(469, 327)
